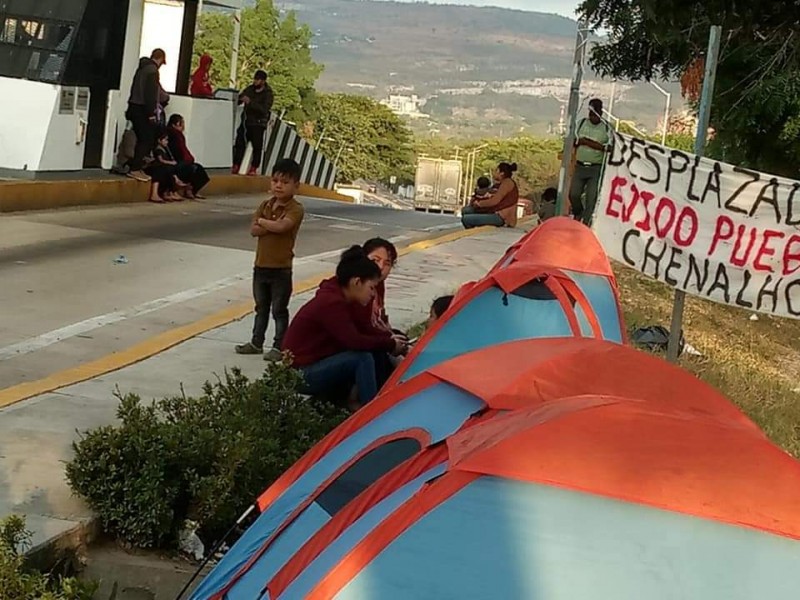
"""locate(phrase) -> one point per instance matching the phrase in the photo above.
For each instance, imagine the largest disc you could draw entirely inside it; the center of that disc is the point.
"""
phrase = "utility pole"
(572, 110)
(703, 118)
(237, 31)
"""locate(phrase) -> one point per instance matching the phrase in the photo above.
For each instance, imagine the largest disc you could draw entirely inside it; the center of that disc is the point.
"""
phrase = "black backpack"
(655, 339)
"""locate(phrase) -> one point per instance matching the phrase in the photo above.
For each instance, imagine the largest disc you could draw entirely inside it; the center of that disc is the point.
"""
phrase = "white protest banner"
(725, 233)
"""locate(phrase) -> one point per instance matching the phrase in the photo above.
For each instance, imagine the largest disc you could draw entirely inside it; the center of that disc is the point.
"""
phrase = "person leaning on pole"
(593, 140)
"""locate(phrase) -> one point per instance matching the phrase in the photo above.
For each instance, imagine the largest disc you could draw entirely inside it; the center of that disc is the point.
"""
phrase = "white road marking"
(81, 328)
(345, 220)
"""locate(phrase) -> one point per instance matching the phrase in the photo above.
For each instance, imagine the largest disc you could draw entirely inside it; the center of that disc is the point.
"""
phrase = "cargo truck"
(438, 185)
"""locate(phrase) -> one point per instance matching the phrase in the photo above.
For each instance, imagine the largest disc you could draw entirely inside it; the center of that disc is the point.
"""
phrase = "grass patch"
(756, 364)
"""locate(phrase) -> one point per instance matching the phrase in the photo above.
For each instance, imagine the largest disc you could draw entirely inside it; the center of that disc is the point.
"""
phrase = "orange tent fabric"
(635, 452)
(563, 243)
(543, 370)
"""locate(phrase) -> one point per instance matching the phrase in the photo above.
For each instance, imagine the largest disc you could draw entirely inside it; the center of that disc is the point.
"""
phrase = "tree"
(278, 45)
(756, 105)
(370, 141)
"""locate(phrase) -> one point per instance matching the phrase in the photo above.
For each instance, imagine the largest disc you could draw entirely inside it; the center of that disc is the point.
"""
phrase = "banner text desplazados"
(721, 232)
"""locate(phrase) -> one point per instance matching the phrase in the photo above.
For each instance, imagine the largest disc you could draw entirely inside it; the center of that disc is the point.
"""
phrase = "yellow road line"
(169, 339)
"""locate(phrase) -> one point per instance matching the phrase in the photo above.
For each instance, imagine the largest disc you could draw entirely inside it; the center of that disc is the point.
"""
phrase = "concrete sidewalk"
(36, 434)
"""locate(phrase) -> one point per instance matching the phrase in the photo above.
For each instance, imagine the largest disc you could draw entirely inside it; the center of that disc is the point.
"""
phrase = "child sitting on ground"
(163, 171)
(547, 207)
(438, 308)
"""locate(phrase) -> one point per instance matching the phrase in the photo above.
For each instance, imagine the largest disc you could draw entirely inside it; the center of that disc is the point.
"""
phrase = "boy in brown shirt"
(275, 224)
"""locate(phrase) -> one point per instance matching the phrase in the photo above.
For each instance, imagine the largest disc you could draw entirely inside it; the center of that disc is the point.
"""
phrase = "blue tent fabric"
(601, 296)
(499, 538)
(491, 318)
(353, 535)
(440, 409)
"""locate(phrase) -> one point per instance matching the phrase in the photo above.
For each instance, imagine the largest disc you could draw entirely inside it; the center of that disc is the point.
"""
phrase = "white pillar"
(237, 31)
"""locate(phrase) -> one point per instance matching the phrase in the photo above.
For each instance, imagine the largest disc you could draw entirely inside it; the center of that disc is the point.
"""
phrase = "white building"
(405, 106)
(66, 68)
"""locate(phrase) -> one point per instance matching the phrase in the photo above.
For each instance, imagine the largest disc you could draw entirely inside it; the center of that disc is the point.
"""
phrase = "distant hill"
(476, 69)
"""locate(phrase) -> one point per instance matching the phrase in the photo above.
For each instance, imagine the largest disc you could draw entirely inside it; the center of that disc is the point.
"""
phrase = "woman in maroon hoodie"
(324, 340)
(189, 170)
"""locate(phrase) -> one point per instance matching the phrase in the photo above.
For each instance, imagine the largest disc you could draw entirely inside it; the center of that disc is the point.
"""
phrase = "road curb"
(23, 196)
(173, 337)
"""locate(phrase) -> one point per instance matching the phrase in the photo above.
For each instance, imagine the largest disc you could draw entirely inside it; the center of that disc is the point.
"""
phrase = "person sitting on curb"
(189, 170)
(324, 341)
(275, 224)
(501, 209)
(547, 208)
(373, 318)
(164, 172)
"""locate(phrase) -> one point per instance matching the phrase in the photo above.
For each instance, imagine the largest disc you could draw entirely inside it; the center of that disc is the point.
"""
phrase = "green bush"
(204, 459)
(19, 583)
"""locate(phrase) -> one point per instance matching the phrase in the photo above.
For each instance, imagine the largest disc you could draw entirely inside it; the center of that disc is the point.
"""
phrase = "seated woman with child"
(496, 205)
(187, 169)
(326, 340)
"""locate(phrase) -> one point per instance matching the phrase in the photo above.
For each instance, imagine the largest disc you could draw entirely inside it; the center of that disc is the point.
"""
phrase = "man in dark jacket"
(257, 100)
(143, 109)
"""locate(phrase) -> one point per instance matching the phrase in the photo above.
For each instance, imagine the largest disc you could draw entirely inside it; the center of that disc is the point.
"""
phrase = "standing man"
(593, 141)
(275, 224)
(257, 100)
(142, 110)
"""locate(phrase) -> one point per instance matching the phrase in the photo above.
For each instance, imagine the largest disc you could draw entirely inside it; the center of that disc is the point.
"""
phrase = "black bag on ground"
(655, 339)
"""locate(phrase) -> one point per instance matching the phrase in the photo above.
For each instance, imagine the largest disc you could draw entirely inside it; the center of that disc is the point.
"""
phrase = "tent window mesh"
(366, 471)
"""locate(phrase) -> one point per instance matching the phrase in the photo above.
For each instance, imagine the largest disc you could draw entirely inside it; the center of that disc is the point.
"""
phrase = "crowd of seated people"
(341, 340)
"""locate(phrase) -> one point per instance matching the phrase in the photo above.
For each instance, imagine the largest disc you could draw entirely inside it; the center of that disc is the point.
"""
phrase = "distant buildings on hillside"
(406, 106)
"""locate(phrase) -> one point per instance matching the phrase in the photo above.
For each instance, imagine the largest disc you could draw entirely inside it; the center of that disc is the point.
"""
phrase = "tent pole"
(215, 549)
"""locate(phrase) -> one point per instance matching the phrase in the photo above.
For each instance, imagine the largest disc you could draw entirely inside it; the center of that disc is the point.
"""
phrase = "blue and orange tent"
(546, 465)
(556, 281)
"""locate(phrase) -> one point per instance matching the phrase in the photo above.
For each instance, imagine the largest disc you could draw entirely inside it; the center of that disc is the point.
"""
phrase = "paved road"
(64, 300)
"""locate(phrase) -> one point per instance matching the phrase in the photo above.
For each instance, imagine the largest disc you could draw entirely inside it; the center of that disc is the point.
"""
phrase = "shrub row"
(203, 458)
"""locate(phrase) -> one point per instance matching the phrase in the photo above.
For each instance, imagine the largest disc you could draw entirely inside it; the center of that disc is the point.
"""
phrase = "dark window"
(366, 471)
(72, 42)
(534, 290)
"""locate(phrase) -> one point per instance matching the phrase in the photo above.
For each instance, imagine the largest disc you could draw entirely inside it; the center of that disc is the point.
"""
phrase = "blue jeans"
(341, 371)
(470, 218)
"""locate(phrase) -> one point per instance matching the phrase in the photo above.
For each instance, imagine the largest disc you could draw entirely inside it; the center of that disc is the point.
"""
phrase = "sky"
(561, 7)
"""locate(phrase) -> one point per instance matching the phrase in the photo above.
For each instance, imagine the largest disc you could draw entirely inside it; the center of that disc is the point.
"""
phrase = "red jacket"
(178, 147)
(201, 82)
(325, 326)
(373, 317)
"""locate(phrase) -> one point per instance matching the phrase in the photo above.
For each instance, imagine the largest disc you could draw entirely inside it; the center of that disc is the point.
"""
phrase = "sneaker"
(235, 170)
(252, 172)
(249, 348)
(139, 176)
(274, 355)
